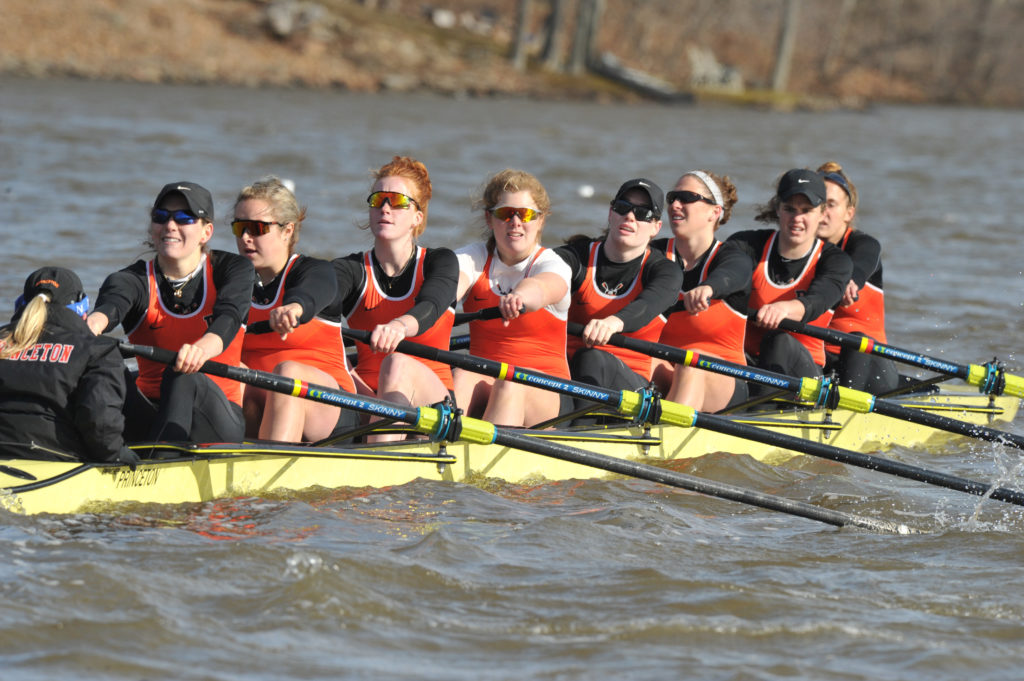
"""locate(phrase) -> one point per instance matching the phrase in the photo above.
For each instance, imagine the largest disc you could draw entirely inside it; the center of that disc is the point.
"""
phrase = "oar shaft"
(629, 403)
(701, 485)
(810, 389)
(427, 419)
(973, 374)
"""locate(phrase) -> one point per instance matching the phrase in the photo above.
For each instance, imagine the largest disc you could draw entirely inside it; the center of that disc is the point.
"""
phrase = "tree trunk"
(787, 36)
(835, 45)
(519, 53)
(556, 36)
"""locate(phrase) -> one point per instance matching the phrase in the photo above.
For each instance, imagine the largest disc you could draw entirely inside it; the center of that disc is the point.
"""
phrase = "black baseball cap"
(60, 283)
(802, 181)
(198, 198)
(654, 193)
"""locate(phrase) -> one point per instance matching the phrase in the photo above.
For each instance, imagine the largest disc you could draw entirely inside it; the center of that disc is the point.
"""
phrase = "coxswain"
(61, 387)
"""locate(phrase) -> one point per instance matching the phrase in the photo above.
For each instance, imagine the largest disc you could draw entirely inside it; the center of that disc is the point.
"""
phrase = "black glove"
(125, 456)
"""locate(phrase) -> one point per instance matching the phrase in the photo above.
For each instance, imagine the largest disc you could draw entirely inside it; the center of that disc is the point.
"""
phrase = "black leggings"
(601, 368)
(782, 353)
(863, 371)
(191, 409)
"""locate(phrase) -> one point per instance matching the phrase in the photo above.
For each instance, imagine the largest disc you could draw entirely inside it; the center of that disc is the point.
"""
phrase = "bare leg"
(409, 382)
(293, 419)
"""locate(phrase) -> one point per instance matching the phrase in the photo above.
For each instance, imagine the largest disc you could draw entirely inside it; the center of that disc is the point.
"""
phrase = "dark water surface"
(601, 579)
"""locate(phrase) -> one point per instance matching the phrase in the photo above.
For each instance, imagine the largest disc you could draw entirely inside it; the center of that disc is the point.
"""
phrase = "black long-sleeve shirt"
(440, 283)
(124, 296)
(866, 253)
(312, 283)
(834, 269)
(659, 281)
(729, 275)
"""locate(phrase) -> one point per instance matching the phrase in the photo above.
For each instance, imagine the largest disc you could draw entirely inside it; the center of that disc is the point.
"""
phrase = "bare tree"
(787, 36)
(835, 44)
(555, 44)
(519, 52)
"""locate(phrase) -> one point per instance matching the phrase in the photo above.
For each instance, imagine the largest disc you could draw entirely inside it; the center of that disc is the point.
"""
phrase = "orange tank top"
(317, 343)
(534, 340)
(718, 331)
(375, 307)
(866, 315)
(589, 302)
(166, 329)
(765, 291)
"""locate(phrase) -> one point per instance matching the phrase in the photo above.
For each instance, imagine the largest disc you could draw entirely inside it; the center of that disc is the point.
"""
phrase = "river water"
(597, 579)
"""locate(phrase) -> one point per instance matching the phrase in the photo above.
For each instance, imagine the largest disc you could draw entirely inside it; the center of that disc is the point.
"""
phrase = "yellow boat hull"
(204, 472)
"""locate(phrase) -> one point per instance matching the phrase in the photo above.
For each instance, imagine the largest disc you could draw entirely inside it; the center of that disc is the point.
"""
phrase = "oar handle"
(479, 315)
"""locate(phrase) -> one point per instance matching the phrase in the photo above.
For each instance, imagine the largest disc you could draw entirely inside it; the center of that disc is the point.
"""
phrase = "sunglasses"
(162, 216)
(396, 200)
(506, 213)
(642, 213)
(684, 196)
(254, 227)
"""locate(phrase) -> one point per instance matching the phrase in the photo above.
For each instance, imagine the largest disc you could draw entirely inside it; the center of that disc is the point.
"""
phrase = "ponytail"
(28, 329)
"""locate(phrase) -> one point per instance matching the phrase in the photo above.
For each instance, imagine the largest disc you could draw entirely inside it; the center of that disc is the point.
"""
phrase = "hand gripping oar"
(988, 378)
(643, 407)
(819, 391)
(442, 423)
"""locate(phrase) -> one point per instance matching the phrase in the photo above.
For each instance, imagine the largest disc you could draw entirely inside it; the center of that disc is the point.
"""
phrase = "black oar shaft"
(629, 403)
(973, 374)
(810, 389)
(426, 420)
(903, 470)
(702, 485)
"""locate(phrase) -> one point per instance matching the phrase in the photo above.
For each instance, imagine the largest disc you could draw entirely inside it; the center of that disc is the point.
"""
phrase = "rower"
(710, 317)
(862, 309)
(400, 290)
(796, 276)
(188, 298)
(530, 286)
(619, 285)
(295, 320)
(61, 387)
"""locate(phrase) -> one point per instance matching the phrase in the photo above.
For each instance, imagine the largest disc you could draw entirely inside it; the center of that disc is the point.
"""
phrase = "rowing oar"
(640, 406)
(819, 391)
(989, 378)
(442, 423)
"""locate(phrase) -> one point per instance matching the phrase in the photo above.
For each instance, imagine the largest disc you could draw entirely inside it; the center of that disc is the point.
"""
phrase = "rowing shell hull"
(203, 472)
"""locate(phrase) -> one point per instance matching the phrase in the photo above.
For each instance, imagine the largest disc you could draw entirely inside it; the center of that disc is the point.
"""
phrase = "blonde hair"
(511, 181)
(284, 206)
(833, 169)
(26, 332)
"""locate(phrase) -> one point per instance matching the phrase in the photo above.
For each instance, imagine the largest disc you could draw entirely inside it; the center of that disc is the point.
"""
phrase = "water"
(574, 580)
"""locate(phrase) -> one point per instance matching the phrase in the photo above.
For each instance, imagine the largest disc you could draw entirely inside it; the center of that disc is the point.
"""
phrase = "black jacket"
(65, 394)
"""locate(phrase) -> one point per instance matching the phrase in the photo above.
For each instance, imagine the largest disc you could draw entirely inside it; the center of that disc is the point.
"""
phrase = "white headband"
(716, 193)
